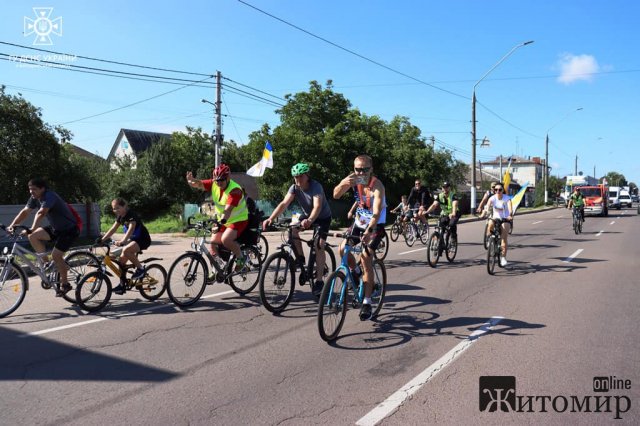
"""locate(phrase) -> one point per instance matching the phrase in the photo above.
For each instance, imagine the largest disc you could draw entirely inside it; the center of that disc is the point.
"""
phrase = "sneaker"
(241, 262)
(365, 312)
(119, 289)
(139, 273)
(316, 289)
(63, 289)
(503, 261)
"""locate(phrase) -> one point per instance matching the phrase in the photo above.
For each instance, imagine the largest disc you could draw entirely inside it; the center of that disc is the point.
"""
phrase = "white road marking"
(535, 223)
(573, 255)
(559, 217)
(390, 404)
(599, 233)
(412, 251)
(126, 314)
(612, 222)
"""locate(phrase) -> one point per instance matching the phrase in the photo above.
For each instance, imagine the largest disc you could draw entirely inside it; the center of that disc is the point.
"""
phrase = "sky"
(578, 82)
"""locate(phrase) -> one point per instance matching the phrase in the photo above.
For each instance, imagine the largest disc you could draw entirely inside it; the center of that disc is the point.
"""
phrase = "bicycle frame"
(344, 267)
(20, 253)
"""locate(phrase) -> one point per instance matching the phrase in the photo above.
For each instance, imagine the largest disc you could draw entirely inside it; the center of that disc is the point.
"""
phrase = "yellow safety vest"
(239, 212)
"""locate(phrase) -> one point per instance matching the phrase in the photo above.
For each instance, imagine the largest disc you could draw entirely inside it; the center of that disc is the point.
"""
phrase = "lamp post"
(473, 123)
(216, 142)
(546, 152)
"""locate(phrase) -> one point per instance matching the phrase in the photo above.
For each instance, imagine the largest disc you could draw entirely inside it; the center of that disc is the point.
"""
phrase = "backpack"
(76, 215)
(250, 235)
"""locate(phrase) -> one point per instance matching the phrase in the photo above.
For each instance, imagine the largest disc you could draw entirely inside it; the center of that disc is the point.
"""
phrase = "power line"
(131, 104)
(232, 121)
(104, 60)
(506, 121)
(253, 88)
(246, 94)
(353, 53)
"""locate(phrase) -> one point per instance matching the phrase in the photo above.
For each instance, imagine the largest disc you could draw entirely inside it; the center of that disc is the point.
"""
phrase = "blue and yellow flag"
(266, 161)
(515, 201)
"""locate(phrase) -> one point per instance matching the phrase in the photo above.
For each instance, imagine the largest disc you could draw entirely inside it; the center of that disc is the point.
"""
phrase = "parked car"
(634, 198)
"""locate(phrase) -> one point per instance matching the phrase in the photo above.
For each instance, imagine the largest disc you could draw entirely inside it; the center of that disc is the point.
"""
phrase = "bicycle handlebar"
(15, 227)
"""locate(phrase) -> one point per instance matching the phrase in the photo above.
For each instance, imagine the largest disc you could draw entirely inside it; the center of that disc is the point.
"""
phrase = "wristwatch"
(223, 221)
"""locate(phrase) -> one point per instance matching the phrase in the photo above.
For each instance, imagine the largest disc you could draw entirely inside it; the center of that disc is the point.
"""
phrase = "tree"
(32, 148)
(616, 179)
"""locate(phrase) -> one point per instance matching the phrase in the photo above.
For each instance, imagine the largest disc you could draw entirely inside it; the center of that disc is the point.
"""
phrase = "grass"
(164, 224)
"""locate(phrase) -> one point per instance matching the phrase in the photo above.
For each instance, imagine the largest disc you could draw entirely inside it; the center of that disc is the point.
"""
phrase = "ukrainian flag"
(266, 161)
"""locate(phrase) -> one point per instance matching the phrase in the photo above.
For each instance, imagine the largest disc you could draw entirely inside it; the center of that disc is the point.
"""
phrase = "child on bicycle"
(136, 238)
(403, 209)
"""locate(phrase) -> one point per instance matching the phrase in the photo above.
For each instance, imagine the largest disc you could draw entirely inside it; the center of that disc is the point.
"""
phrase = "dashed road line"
(612, 222)
(109, 317)
(390, 404)
(600, 233)
(412, 251)
(573, 255)
(537, 222)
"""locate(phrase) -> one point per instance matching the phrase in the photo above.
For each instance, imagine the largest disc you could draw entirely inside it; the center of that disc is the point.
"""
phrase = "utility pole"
(432, 139)
(576, 167)
(500, 177)
(218, 140)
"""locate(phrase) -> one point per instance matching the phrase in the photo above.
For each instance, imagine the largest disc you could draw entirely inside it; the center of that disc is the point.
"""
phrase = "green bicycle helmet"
(299, 169)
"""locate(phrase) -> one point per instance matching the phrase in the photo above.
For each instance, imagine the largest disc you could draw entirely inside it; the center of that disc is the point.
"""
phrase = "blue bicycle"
(332, 308)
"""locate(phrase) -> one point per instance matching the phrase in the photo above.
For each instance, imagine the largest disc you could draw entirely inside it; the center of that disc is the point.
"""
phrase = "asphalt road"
(560, 314)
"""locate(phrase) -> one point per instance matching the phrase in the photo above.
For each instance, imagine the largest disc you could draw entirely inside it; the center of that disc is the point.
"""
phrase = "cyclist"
(420, 197)
(136, 238)
(63, 227)
(403, 209)
(310, 196)
(486, 212)
(502, 209)
(230, 209)
(449, 211)
(369, 219)
(577, 200)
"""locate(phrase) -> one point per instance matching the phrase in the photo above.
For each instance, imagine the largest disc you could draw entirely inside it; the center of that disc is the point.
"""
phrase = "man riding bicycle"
(420, 198)
(310, 196)
(502, 209)
(230, 209)
(449, 212)
(369, 220)
(577, 200)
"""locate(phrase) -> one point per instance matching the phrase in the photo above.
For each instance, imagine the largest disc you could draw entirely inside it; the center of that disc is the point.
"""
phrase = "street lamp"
(546, 152)
(216, 143)
(473, 123)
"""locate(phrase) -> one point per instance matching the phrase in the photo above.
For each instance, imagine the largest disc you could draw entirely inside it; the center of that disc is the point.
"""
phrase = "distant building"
(83, 152)
(131, 143)
(522, 170)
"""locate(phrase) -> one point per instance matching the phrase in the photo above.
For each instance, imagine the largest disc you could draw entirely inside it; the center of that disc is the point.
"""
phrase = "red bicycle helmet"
(221, 172)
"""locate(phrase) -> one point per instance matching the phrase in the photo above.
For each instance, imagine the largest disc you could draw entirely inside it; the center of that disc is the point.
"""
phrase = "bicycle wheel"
(575, 224)
(424, 233)
(93, 291)
(332, 308)
(433, 251)
(452, 247)
(80, 263)
(187, 279)
(245, 280)
(485, 237)
(395, 232)
(329, 264)
(491, 255)
(383, 247)
(13, 287)
(579, 226)
(410, 234)
(379, 286)
(277, 282)
(154, 282)
(263, 247)
(511, 228)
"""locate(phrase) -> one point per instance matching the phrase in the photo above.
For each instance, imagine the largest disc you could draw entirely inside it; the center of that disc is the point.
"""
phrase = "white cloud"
(577, 67)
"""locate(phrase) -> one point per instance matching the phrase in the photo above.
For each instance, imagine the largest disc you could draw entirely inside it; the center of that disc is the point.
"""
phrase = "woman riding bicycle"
(502, 210)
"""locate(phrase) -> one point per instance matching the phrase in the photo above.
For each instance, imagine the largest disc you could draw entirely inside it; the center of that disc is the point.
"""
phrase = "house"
(83, 152)
(530, 169)
(131, 143)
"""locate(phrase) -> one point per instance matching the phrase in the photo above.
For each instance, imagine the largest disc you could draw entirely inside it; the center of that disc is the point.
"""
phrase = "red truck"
(596, 199)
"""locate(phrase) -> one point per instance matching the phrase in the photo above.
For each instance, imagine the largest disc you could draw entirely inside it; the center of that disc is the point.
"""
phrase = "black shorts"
(63, 240)
(143, 243)
(377, 237)
(323, 224)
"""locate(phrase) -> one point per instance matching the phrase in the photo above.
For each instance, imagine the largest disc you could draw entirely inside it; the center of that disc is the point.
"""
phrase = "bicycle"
(94, 290)
(577, 220)
(494, 245)
(415, 229)
(442, 241)
(277, 280)
(332, 308)
(397, 228)
(189, 273)
(15, 262)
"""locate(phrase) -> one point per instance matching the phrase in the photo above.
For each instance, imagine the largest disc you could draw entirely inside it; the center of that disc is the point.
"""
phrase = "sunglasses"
(497, 189)
(361, 169)
(220, 179)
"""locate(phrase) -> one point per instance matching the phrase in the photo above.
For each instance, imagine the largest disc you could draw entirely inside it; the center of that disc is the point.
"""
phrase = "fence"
(89, 212)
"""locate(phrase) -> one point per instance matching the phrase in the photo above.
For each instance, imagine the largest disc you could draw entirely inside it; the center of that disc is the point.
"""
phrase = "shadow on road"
(37, 358)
